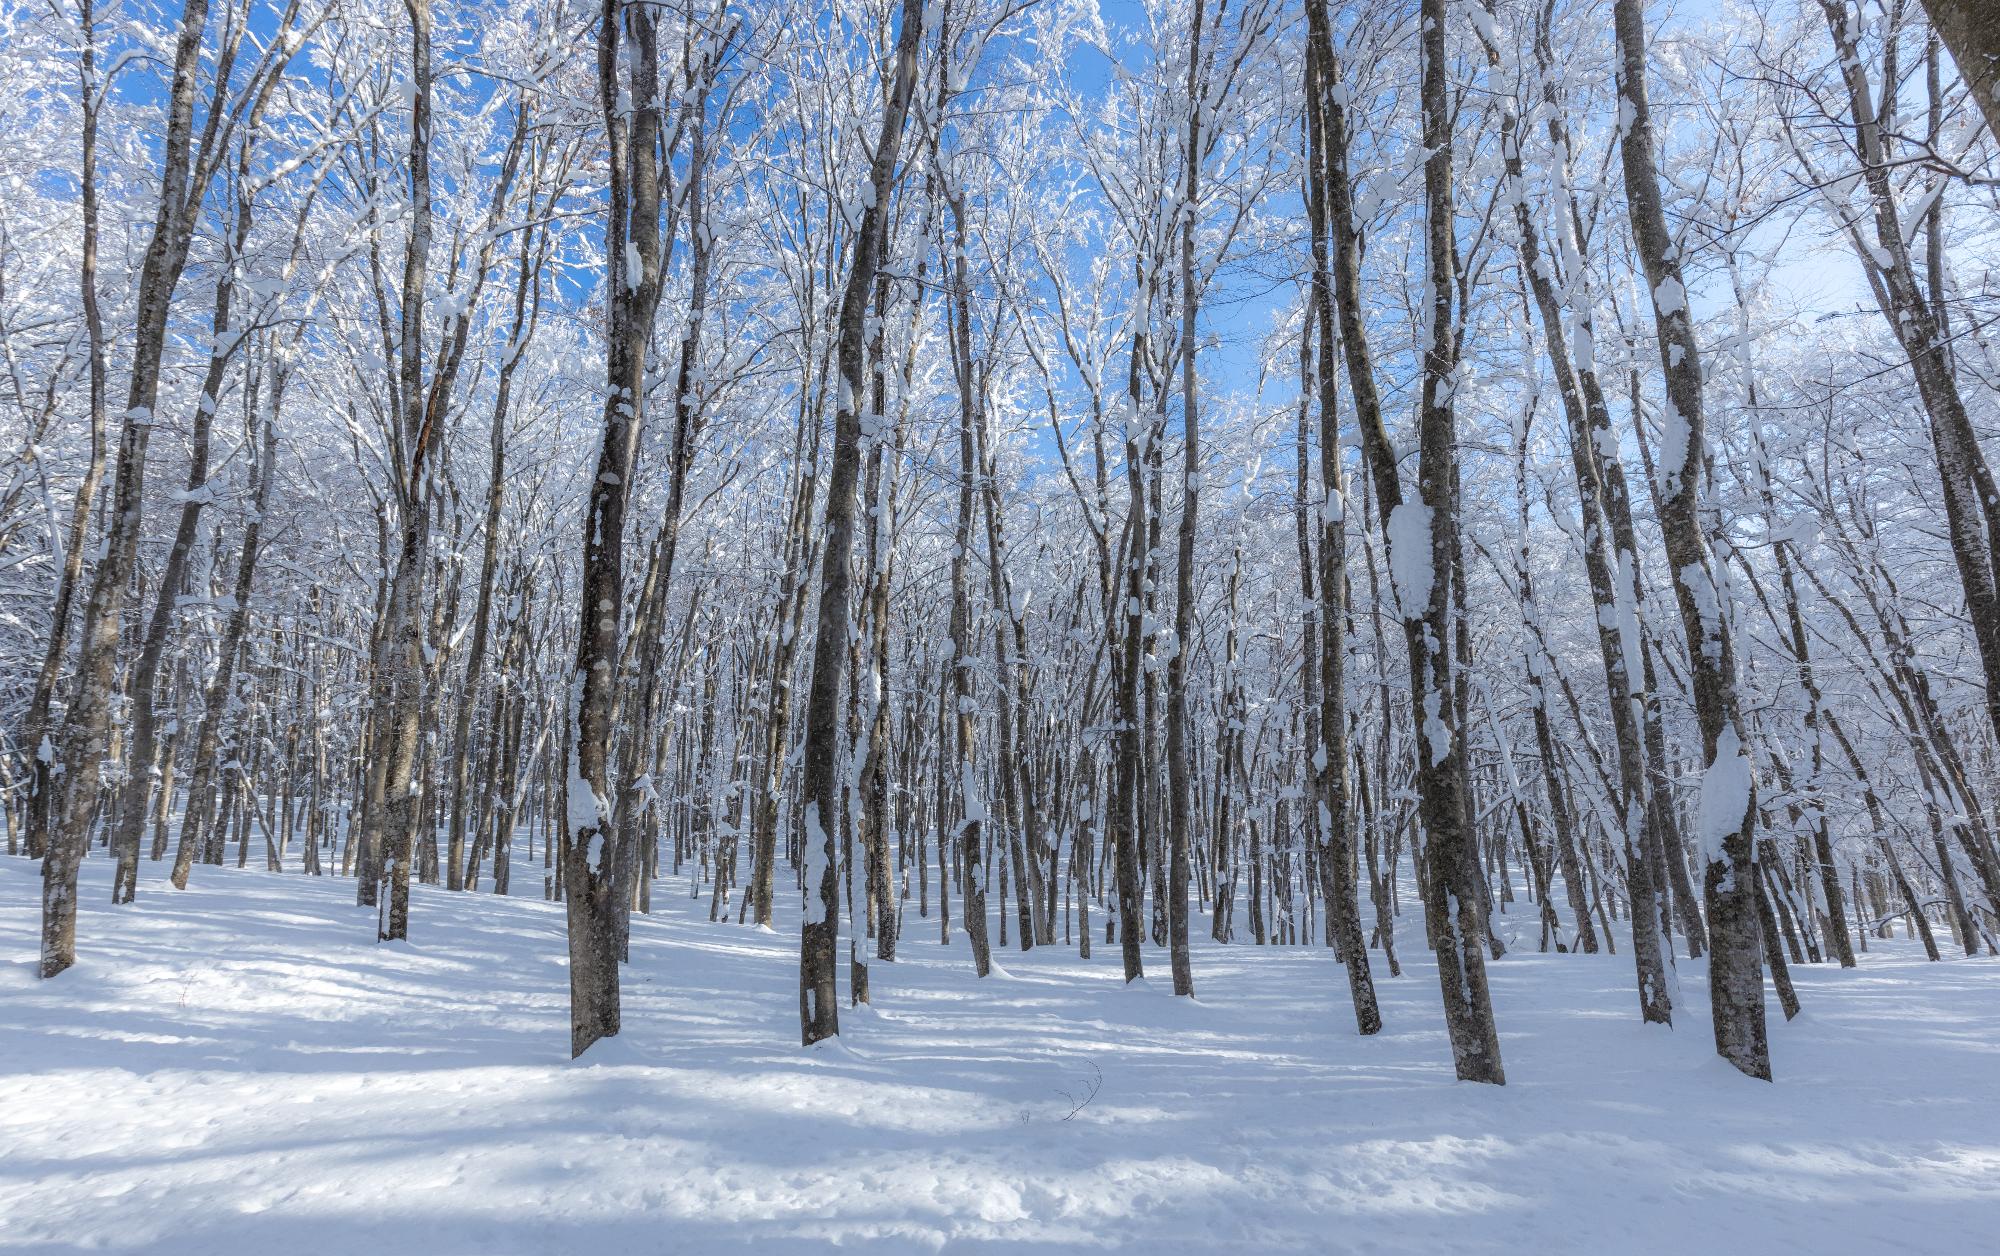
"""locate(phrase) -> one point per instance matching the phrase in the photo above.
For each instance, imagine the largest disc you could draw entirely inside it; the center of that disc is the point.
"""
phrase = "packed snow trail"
(240, 1068)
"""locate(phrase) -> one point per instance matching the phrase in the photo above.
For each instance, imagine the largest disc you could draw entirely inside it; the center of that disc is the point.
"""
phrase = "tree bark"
(631, 111)
(40, 736)
(819, 1005)
(89, 715)
(1728, 806)
(1178, 784)
(1329, 796)
(1614, 581)
(1970, 29)
(202, 785)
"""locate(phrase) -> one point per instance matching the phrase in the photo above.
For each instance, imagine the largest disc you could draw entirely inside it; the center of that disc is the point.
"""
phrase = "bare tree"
(1330, 750)
(1728, 813)
(629, 94)
(183, 181)
(819, 1007)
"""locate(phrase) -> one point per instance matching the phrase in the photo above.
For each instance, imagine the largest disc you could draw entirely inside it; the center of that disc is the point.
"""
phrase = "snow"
(817, 855)
(973, 805)
(1675, 436)
(240, 1068)
(1410, 557)
(1333, 506)
(1725, 796)
(1583, 347)
(1625, 596)
(1437, 735)
(585, 808)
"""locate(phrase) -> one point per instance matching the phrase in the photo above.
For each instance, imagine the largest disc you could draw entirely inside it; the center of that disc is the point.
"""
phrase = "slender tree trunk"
(1179, 786)
(1971, 496)
(1420, 539)
(972, 809)
(1330, 751)
(201, 791)
(819, 1005)
(1614, 581)
(1728, 806)
(459, 872)
(631, 112)
(131, 804)
(401, 671)
(40, 735)
(89, 715)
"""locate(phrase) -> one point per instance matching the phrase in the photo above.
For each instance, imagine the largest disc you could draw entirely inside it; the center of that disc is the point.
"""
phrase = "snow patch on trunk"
(1725, 796)
(1409, 532)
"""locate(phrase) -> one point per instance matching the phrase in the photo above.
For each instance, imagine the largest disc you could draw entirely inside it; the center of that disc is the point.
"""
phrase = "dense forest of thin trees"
(1454, 474)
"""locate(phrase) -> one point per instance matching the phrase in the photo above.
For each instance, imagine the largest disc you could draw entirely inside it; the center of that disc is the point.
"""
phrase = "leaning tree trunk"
(649, 621)
(1970, 29)
(459, 871)
(131, 805)
(1971, 497)
(1728, 813)
(1419, 536)
(1614, 582)
(41, 784)
(1815, 715)
(208, 737)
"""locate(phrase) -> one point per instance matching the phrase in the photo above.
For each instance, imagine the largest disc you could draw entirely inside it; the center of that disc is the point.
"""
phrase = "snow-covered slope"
(240, 1068)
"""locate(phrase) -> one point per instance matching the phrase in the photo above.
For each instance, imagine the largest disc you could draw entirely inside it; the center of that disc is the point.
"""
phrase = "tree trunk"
(202, 785)
(1614, 581)
(1728, 806)
(1179, 786)
(819, 1005)
(1329, 795)
(1971, 31)
(40, 736)
(89, 715)
(590, 843)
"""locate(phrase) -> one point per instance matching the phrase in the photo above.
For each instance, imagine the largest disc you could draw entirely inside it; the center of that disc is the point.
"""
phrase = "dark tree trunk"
(1970, 29)
(1728, 809)
(819, 1005)
(89, 715)
(1329, 794)
(631, 111)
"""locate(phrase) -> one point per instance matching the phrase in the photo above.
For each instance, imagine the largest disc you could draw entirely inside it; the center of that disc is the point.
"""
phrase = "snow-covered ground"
(240, 1069)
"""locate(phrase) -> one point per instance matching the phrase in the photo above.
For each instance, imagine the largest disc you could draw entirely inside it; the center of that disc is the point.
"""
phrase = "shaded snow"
(241, 1069)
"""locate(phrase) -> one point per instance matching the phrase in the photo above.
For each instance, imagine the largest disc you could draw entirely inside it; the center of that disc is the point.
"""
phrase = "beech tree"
(819, 1007)
(1055, 471)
